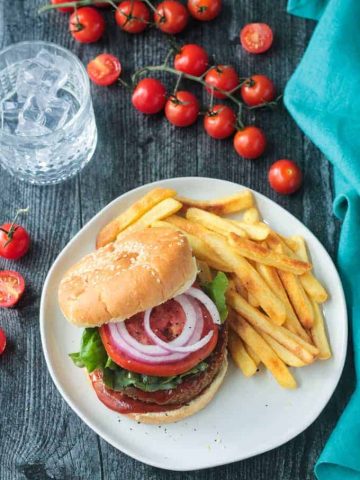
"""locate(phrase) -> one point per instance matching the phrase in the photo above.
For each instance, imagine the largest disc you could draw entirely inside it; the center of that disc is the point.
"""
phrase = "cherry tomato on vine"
(223, 77)
(86, 25)
(63, 9)
(14, 241)
(191, 59)
(171, 16)
(2, 341)
(182, 109)
(104, 69)
(256, 37)
(132, 16)
(149, 96)
(220, 121)
(12, 286)
(204, 10)
(250, 142)
(285, 176)
(258, 89)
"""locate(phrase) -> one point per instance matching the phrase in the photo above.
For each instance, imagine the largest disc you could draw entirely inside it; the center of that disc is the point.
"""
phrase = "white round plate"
(247, 416)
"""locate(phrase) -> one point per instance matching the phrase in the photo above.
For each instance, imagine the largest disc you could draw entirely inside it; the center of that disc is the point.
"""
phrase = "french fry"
(261, 253)
(213, 222)
(271, 277)
(253, 355)
(240, 356)
(238, 285)
(201, 249)
(251, 215)
(310, 283)
(253, 300)
(284, 354)
(167, 207)
(256, 231)
(314, 351)
(204, 271)
(319, 334)
(252, 281)
(261, 322)
(109, 233)
(272, 362)
(221, 206)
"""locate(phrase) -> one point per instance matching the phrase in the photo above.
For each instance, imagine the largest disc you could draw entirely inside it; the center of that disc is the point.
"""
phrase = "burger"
(154, 344)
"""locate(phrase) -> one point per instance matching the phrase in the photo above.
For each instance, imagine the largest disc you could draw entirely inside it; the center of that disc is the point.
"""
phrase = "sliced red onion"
(207, 302)
(148, 349)
(190, 321)
(199, 321)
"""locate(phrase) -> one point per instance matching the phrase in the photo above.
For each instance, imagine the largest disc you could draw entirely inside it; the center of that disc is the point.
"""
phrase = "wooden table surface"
(40, 437)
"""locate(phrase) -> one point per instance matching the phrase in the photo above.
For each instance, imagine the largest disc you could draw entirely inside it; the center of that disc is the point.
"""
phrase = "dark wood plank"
(40, 437)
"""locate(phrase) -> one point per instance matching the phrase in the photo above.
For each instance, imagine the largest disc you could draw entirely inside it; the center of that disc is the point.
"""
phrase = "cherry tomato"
(220, 121)
(256, 37)
(250, 142)
(285, 176)
(104, 70)
(63, 9)
(149, 96)
(12, 286)
(182, 109)
(204, 10)
(191, 59)
(2, 341)
(14, 241)
(258, 89)
(171, 16)
(86, 25)
(132, 16)
(168, 321)
(223, 77)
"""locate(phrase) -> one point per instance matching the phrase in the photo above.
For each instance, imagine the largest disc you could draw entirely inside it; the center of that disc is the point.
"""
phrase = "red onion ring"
(207, 302)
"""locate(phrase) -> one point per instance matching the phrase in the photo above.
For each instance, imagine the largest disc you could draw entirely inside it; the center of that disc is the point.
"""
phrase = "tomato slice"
(167, 321)
(2, 341)
(104, 70)
(256, 37)
(12, 286)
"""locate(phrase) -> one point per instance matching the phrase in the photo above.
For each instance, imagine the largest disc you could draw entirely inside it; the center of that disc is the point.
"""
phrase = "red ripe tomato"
(250, 142)
(220, 121)
(191, 59)
(132, 16)
(104, 70)
(149, 96)
(2, 341)
(86, 25)
(171, 16)
(285, 176)
(204, 10)
(12, 286)
(256, 37)
(182, 109)
(167, 321)
(14, 241)
(222, 77)
(63, 9)
(258, 89)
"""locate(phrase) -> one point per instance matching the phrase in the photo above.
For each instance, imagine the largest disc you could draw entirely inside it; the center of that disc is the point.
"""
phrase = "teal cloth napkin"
(323, 96)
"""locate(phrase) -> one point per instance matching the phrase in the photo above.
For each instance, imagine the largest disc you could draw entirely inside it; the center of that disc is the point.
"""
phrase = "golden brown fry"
(109, 233)
(253, 355)
(238, 285)
(204, 271)
(240, 356)
(221, 206)
(256, 231)
(253, 300)
(259, 252)
(271, 277)
(167, 207)
(263, 323)
(287, 357)
(252, 215)
(250, 278)
(213, 222)
(276, 366)
(314, 351)
(319, 334)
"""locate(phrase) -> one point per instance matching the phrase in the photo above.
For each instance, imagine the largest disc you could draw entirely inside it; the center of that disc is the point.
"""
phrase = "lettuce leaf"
(93, 356)
(216, 289)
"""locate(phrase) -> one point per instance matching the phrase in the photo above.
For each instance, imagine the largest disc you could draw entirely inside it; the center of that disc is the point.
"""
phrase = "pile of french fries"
(274, 299)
